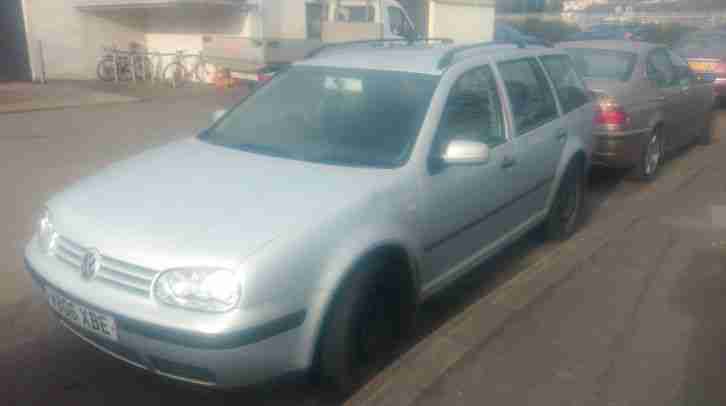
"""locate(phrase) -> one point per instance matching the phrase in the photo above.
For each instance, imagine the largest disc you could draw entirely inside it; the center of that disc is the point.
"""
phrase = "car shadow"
(700, 295)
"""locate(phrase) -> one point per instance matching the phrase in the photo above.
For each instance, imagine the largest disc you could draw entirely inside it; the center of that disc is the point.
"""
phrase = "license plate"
(82, 316)
(700, 66)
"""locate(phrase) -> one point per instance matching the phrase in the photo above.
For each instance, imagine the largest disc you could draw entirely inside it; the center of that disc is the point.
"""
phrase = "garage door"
(13, 47)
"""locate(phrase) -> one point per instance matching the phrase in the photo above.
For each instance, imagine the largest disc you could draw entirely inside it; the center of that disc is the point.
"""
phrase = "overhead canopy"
(92, 5)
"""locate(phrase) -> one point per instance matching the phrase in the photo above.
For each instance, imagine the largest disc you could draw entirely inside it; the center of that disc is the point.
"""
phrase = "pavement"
(16, 97)
(626, 312)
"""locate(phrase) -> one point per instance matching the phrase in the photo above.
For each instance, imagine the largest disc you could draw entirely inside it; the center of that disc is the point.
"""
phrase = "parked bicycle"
(109, 67)
(181, 71)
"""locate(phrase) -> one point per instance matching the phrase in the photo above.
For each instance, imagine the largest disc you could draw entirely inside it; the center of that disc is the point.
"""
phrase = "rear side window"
(659, 68)
(473, 110)
(533, 103)
(603, 63)
(569, 86)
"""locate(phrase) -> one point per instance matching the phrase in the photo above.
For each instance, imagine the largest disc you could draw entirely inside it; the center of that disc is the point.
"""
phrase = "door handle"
(659, 99)
(508, 162)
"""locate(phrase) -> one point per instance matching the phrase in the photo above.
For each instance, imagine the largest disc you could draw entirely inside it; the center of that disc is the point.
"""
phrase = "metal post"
(143, 67)
(132, 61)
(43, 78)
(114, 54)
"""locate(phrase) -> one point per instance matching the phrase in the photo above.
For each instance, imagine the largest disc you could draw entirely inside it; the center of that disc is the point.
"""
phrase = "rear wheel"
(175, 74)
(369, 316)
(705, 137)
(568, 207)
(106, 70)
(651, 158)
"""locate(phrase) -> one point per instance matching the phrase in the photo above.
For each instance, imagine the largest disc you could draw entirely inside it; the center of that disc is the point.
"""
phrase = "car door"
(661, 73)
(465, 207)
(539, 133)
(577, 107)
(698, 96)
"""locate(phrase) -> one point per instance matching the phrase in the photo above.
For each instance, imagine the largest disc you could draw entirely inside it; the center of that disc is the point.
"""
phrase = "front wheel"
(568, 206)
(370, 315)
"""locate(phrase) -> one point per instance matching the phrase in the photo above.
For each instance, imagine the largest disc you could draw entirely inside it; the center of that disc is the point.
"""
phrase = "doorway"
(13, 45)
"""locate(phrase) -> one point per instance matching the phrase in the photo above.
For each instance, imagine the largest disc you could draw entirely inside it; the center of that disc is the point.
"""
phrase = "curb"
(64, 106)
(402, 382)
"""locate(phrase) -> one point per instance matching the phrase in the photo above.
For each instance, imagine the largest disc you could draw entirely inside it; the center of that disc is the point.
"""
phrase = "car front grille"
(124, 275)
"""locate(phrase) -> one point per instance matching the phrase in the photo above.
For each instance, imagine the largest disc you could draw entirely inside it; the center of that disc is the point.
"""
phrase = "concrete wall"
(72, 40)
(462, 22)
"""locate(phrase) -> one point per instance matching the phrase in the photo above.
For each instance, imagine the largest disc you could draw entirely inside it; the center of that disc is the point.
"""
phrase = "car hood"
(192, 203)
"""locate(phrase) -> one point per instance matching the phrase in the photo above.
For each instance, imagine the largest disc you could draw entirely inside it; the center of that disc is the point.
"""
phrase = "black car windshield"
(329, 115)
(603, 63)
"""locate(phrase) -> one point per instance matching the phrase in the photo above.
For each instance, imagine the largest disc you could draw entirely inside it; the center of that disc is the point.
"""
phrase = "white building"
(73, 33)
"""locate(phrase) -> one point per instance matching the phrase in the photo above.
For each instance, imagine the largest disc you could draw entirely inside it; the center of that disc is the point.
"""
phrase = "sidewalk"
(628, 313)
(18, 97)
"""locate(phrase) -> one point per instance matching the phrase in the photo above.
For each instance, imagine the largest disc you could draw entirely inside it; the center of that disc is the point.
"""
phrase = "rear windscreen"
(703, 45)
(603, 63)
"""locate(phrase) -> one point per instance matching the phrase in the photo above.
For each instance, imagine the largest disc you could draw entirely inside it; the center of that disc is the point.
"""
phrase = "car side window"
(473, 110)
(397, 20)
(530, 96)
(659, 68)
(683, 73)
(570, 88)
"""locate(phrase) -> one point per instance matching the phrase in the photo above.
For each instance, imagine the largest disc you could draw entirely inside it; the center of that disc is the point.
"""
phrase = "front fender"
(341, 263)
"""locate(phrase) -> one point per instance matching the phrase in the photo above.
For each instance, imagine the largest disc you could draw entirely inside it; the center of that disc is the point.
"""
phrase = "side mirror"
(465, 152)
(218, 114)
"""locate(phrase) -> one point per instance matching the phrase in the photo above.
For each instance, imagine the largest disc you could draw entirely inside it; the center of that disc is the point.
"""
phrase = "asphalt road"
(41, 152)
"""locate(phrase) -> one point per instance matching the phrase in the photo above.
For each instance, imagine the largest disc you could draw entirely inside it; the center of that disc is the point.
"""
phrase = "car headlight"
(210, 289)
(46, 233)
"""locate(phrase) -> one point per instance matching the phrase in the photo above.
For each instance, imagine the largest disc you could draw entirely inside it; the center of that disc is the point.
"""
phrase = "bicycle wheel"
(144, 68)
(105, 69)
(175, 74)
(202, 72)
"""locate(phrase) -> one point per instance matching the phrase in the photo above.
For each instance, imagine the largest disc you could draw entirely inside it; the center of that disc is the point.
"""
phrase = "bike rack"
(156, 63)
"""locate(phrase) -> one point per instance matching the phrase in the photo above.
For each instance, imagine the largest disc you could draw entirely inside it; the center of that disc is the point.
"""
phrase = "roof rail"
(448, 57)
(377, 43)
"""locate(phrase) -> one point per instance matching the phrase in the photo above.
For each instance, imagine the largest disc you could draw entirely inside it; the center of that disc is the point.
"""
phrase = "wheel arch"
(389, 250)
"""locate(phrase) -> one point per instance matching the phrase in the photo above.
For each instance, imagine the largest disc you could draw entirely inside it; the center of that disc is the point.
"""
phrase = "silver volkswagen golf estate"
(303, 228)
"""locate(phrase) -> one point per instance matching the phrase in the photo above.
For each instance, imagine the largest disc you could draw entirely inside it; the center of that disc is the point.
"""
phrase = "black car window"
(683, 72)
(660, 68)
(530, 95)
(473, 110)
(570, 89)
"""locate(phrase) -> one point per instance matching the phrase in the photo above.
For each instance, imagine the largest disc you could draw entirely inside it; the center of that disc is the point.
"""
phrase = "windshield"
(703, 45)
(603, 63)
(335, 116)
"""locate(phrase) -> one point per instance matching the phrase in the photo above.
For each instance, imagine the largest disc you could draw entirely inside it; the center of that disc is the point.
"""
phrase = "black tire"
(369, 316)
(568, 207)
(175, 74)
(647, 167)
(105, 70)
(705, 137)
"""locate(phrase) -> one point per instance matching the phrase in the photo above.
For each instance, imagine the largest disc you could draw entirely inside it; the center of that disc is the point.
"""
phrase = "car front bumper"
(619, 149)
(227, 360)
